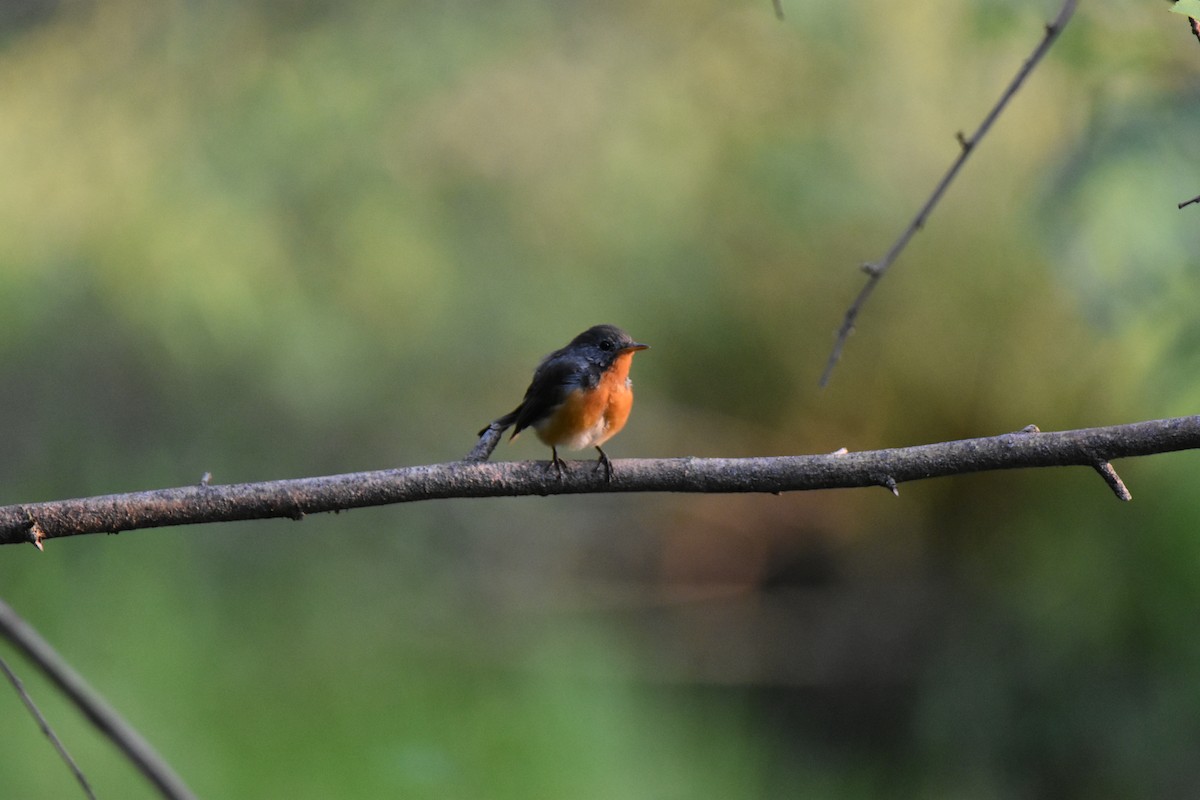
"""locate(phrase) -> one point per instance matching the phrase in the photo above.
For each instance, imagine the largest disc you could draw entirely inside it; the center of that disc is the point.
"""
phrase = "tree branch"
(22, 635)
(875, 271)
(293, 499)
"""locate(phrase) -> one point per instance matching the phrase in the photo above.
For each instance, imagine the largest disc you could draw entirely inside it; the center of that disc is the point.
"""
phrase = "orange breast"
(591, 418)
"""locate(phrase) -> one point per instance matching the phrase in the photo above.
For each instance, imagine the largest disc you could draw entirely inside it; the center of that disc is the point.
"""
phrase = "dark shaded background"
(279, 239)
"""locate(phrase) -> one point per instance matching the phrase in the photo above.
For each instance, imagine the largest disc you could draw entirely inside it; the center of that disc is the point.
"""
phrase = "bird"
(580, 395)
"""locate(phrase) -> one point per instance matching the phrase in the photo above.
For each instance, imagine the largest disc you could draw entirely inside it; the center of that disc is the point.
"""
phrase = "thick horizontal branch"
(1091, 447)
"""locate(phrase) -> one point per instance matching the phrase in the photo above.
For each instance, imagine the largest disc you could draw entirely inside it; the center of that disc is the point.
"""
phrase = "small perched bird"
(580, 395)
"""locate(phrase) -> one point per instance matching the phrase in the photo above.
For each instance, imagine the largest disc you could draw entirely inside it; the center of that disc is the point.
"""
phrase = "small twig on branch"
(876, 270)
(44, 724)
(488, 440)
(1187, 203)
(22, 636)
(293, 499)
(1113, 480)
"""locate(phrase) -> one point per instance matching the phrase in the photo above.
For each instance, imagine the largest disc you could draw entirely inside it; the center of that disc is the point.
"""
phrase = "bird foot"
(604, 463)
(557, 464)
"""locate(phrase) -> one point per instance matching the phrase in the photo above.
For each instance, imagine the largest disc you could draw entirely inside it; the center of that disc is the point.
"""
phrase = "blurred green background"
(287, 238)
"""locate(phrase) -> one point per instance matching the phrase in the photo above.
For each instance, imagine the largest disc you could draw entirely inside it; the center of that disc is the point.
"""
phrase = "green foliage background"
(294, 237)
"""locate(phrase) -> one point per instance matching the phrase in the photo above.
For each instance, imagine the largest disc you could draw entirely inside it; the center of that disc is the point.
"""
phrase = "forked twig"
(876, 270)
(23, 636)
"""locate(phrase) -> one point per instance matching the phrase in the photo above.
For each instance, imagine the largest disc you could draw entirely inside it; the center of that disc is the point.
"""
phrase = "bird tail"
(502, 424)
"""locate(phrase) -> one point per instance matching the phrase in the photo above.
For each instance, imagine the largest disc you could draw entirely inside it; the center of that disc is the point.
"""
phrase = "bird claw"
(557, 464)
(604, 463)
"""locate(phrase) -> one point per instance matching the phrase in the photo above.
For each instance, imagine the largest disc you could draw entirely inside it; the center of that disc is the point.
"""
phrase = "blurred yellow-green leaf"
(1189, 8)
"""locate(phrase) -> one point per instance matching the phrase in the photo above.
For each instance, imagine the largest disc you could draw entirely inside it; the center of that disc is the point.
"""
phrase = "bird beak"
(629, 348)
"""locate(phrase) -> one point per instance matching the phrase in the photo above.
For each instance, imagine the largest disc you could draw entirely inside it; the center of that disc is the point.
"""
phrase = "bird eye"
(606, 345)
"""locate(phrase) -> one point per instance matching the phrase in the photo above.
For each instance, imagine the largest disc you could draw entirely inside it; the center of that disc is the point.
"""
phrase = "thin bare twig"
(23, 636)
(44, 724)
(876, 270)
(294, 499)
(1187, 203)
